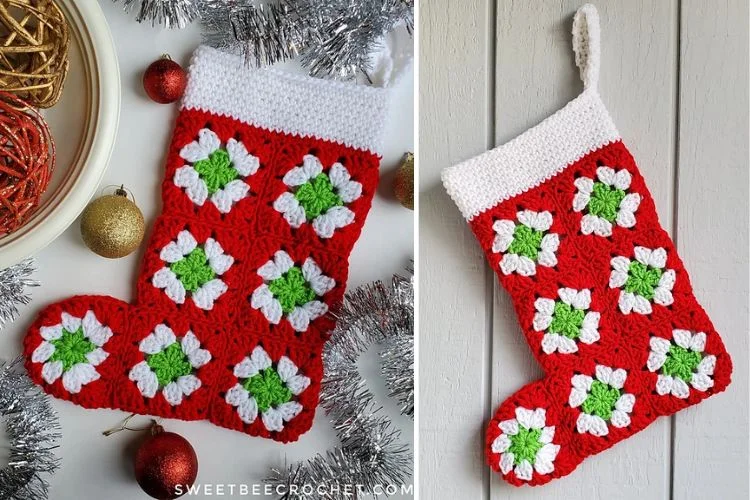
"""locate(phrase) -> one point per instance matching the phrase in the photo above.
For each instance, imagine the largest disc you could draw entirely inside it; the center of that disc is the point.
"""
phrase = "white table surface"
(94, 466)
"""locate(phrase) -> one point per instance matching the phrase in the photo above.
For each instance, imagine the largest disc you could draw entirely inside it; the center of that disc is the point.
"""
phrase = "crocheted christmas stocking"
(604, 301)
(268, 182)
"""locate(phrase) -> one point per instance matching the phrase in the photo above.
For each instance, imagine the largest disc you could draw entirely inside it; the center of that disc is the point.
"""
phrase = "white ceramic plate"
(84, 126)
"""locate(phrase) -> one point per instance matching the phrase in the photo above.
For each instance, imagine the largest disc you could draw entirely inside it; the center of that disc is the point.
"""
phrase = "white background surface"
(95, 466)
(674, 77)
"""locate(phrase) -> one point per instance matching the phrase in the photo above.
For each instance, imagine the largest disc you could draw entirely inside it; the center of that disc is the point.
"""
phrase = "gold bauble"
(403, 184)
(112, 226)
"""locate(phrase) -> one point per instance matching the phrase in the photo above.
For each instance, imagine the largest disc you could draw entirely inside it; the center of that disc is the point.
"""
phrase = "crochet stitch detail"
(193, 270)
(605, 200)
(71, 348)
(526, 242)
(567, 320)
(642, 279)
(681, 363)
(317, 196)
(601, 400)
(292, 290)
(216, 170)
(169, 364)
(268, 389)
(525, 445)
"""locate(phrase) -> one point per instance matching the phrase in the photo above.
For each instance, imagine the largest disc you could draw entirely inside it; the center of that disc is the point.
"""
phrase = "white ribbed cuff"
(581, 127)
(347, 113)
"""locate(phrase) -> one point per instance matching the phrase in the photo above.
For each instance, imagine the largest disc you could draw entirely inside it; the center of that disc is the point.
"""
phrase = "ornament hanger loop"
(124, 426)
(121, 190)
(586, 44)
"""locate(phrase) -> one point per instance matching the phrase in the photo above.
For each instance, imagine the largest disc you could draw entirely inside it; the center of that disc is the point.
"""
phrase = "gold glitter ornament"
(112, 225)
(403, 184)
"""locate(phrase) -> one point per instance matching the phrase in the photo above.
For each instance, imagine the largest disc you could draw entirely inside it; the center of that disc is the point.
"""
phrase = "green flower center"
(170, 364)
(317, 196)
(193, 271)
(526, 241)
(267, 389)
(566, 320)
(292, 290)
(71, 348)
(216, 170)
(642, 279)
(601, 400)
(681, 362)
(525, 445)
(605, 201)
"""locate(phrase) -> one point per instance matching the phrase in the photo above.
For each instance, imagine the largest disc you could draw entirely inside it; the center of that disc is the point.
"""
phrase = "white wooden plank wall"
(674, 77)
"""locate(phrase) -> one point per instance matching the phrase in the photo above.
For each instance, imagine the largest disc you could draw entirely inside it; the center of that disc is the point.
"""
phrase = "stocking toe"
(72, 348)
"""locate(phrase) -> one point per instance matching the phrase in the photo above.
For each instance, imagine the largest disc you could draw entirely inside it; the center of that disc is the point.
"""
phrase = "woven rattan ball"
(33, 50)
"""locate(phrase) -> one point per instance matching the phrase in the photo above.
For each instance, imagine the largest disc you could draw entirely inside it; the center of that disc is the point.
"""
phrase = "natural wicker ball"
(34, 45)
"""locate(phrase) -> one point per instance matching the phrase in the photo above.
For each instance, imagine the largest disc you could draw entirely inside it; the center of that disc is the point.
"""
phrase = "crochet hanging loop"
(586, 44)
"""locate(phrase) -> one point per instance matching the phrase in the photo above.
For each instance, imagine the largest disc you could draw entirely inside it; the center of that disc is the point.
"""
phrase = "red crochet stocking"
(268, 182)
(604, 301)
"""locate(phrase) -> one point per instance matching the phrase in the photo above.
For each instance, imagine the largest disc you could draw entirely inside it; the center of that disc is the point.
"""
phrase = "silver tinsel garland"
(32, 429)
(169, 13)
(14, 282)
(371, 452)
(336, 38)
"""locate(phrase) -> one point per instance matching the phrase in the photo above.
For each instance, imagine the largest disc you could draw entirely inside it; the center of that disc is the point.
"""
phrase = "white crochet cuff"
(582, 126)
(350, 114)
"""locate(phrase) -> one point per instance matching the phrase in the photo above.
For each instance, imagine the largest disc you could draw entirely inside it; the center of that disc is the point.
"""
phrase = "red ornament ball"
(163, 462)
(27, 159)
(165, 80)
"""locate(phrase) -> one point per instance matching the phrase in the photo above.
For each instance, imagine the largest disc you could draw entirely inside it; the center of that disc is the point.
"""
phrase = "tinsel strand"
(336, 38)
(14, 283)
(371, 452)
(397, 368)
(32, 431)
(168, 13)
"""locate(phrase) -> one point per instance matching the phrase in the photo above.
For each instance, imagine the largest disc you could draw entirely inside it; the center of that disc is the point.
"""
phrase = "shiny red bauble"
(165, 80)
(165, 464)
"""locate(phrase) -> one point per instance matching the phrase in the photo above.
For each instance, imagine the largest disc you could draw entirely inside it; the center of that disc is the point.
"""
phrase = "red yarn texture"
(583, 262)
(251, 233)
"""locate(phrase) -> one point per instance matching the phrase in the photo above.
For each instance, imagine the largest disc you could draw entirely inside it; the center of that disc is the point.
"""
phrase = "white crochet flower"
(215, 171)
(267, 389)
(566, 321)
(291, 291)
(72, 349)
(601, 400)
(681, 363)
(170, 365)
(318, 197)
(606, 201)
(527, 244)
(193, 269)
(525, 444)
(644, 280)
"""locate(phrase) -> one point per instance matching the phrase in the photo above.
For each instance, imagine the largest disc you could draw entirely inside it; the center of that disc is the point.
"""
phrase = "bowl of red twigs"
(59, 108)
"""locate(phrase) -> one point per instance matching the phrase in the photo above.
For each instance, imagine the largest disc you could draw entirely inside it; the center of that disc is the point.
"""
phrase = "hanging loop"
(586, 44)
